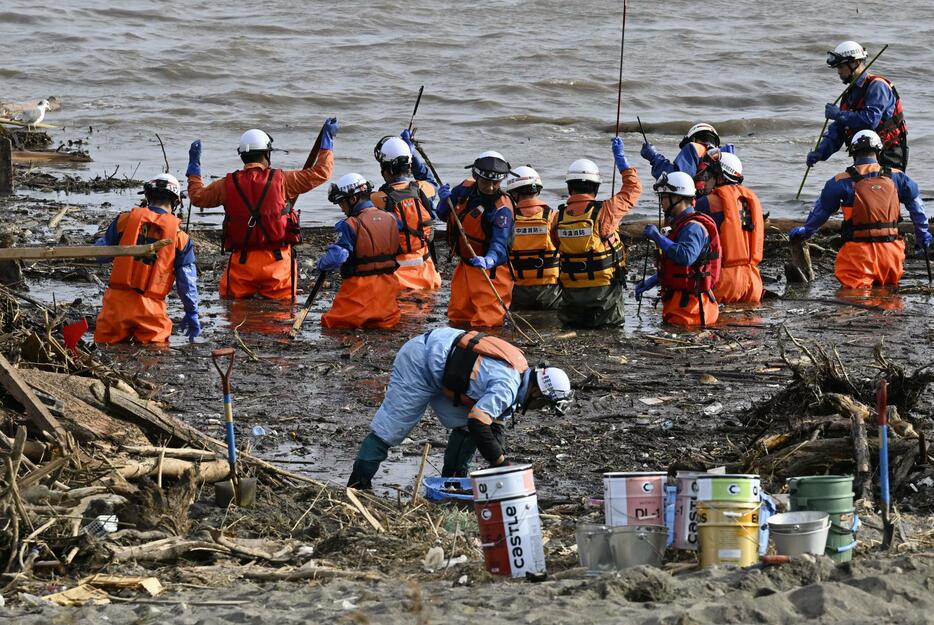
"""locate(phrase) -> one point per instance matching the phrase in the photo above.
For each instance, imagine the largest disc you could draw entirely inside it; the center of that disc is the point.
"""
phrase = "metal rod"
(619, 92)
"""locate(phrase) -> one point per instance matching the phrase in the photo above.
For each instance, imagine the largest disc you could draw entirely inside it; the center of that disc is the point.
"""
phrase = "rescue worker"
(134, 303)
(738, 214)
(260, 226)
(485, 212)
(474, 384)
(365, 253)
(868, 193)
(409, 193)
(699, 147)
(870, 103)
(690, 256)
(593, 261)
(534, 255)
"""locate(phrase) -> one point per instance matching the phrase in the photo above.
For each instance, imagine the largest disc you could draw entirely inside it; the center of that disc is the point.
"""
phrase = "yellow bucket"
(728, 532)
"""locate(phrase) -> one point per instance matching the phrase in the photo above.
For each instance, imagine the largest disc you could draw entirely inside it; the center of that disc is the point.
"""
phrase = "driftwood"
(166, 550)
(799, 270)
(862, 478)
(210, 472)
(37, 411)
(81, 251)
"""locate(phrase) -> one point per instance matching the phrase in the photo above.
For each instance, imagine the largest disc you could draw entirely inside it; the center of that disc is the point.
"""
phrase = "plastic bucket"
(446, 488)
(632, 545)
(729, 488)
(685, 521)
(593, 548)
(510, 528)
(728, 532)
(832, 494)
(634, 498)
(797, 533)
(670, 501)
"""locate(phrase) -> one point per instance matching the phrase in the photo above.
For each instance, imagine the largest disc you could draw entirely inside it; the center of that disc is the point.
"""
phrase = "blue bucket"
(447, 488)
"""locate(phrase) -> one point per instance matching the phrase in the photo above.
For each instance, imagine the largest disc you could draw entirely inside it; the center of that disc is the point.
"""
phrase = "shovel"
(882, 400)
(237, 489)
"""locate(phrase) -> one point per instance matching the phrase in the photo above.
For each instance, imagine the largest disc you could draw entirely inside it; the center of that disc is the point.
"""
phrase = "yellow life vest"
(533, 256)
(587, 259)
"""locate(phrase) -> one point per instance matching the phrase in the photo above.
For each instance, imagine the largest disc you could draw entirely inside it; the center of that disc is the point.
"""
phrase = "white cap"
(555, 385)
(392, 149)
(846, 51)
(697, 129)
(731, 166)
(523, 176)
(253, 140)
(348, 185)
(164, 182)
(676, 183)
(866, 138)
(584, 170)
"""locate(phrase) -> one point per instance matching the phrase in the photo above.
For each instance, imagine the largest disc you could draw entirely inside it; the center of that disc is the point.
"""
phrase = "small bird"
(32, 117)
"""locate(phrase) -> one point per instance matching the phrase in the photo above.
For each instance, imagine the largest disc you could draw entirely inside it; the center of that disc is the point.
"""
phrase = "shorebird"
(32, 117)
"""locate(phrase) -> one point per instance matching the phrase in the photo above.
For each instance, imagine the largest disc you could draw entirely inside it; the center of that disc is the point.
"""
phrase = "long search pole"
(826, 121)
(418, 101)
(619, 91)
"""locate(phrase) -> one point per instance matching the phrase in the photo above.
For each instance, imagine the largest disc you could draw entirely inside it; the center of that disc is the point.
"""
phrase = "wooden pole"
(6, 166)
(81, 251)
(421, 473)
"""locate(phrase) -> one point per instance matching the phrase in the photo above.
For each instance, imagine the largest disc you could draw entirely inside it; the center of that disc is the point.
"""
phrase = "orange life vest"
(891, 129)
(704, 273)
(533, 256)
(742, 230)
(410, 206)
(464, 361)
(479, 231)
(149, 276)
(874, 215)
(256, 214)
(377, 234)
(587, 259)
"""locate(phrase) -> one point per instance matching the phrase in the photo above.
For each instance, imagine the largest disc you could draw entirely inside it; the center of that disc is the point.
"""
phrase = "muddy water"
(535, 80)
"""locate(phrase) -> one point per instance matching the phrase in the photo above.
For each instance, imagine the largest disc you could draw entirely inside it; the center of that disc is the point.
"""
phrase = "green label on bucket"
(728, 488)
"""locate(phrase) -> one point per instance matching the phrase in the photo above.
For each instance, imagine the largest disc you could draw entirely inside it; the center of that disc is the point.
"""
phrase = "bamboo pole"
(5, 121)
(82, 251)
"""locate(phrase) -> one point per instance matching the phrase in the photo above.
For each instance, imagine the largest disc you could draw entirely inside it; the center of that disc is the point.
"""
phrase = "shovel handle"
(216, 356)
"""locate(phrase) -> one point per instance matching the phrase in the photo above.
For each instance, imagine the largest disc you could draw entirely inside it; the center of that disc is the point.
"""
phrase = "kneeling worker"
(473, 382)
(873, 252)
(410, 193)
(366, 255)
(593, 261)
(134, 303)
(690, 260)
(260, 227)
(534, 255)
(738, 214)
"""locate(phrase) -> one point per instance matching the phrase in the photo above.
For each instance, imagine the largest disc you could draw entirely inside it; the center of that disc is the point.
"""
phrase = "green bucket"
(832, 494)
(728, 488)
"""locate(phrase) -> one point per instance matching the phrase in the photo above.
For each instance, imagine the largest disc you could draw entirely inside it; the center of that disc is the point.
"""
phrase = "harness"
(377, 244)
(890, 129)
(874, 215)
(700, 277)
(409, 205)
(587, 259)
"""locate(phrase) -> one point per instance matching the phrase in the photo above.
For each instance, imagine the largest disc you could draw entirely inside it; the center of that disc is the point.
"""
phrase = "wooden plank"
(6, 121)
(35, 409)
(29, 156)
(366, 513)
(6, 166)
(81, 251)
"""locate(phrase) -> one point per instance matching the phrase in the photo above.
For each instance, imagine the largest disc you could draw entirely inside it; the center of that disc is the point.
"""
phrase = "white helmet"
(866, 139)
(348, 186)
(584, 170)
(555, 387)
(731, 167)
(676, 183)
(524, 176)
(164, 182)
(845, 52)
(393, 150)
(489, 165)
(697, 129)
(254, 140)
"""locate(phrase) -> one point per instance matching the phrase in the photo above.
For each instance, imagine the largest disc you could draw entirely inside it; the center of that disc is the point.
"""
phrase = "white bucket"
(510, 528)
(634, 498)
(685, 534)
(797, 533)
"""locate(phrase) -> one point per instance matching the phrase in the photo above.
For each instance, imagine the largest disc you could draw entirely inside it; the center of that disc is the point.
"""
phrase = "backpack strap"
(255, 217)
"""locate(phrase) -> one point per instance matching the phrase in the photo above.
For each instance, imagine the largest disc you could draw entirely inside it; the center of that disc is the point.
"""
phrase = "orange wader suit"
(685, 289)
(134, 303)
(533, 257)
(410, 202)
(472, 301)
(367, 297)
(873, 253)
(265, 268)
(738, 212)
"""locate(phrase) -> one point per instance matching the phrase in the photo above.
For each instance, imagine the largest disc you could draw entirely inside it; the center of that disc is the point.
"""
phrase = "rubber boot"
(458, 454)
(373, 450)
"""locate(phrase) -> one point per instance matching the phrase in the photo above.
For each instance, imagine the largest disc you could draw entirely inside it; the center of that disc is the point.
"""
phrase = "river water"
(534, 80)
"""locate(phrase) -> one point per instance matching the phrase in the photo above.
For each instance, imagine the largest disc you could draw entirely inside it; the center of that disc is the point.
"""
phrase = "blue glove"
(190, 325)
(799, 232)
(407, 137)
(648, 152)
(194, 159)
(832, 111)
(812, 158)
(331, 127)
(644, 285)
(333, 258)
(483, 262)
(729, 148)
(444, 192)
(651, 232)
(923, 238)
(619, 155)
